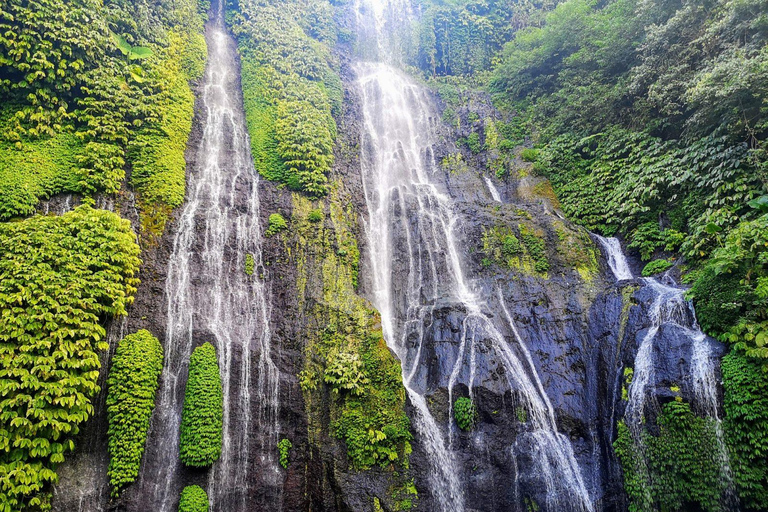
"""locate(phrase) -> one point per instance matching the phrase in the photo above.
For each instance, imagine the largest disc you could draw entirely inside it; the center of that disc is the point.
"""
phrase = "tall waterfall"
(210, 298)
(412, 232)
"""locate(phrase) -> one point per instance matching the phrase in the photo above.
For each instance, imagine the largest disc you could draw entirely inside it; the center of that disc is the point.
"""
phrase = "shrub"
(473, 143)
(510, 246)
(465, 413)
(250, 264)
(60, 276)
(193, 499)
(132, 385)
(276, 224)
(344, 372)
(529, 155)
(315, 216)
(656, 267)
(283, 448)
(202, 414)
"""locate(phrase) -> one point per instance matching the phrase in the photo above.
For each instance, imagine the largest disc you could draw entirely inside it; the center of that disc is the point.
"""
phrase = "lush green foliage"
(276, 224)
(656, 267)
(104, 83)
(131, 388)
(193, 499)
(60, 277)
(290, 89)
(639, 136)
(315, 216)
(681, 467)
(283, 447)
(249, 265)
(465, 413)
(745, 426)
(203, 411)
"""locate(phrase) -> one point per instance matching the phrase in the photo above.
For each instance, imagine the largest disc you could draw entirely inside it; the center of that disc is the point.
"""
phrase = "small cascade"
(210, 298)
(616, 259)
(492, 189)
(670, 308)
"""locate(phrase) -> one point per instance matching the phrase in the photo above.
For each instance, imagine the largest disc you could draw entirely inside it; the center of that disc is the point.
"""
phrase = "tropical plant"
(131, 388)
(465, 413)
(193, 499)
(202, 415)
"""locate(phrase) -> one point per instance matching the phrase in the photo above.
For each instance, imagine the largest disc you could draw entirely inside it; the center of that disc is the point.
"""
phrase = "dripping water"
(210, 298)
(492, 189)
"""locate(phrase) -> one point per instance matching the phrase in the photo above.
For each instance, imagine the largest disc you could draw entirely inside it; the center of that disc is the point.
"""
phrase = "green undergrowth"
(60, 278)
(349, 370)
(291, 88)
(131, 389)
(675, 468)
(203, 412)
(745, 426)
(92, 88)
(193, 499)
(465, 413)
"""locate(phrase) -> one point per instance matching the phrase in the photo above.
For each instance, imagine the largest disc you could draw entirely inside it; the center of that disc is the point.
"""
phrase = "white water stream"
(412, 231)
(210, 298)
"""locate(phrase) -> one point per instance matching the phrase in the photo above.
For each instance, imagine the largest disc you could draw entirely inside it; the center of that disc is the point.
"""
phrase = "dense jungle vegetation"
(648, 117)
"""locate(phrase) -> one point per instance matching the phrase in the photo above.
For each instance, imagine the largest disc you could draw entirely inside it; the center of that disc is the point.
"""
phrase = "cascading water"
(210, 298)
(669, 308)
(492, 189)
(412, 225)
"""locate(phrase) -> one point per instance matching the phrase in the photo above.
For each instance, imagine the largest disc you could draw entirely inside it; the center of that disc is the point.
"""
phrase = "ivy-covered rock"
(193, 499)
(202, 415)
(59, 278)
(131, 389)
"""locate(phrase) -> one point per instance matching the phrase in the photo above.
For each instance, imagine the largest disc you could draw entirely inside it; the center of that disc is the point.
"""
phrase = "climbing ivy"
(202, 414)
(193, 499)
(745, 426)
(283, 447)
(60, 277)
(131, 388)
(675, 468)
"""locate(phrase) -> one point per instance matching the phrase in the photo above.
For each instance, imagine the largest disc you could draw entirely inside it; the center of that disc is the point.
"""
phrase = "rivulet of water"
(210, 298)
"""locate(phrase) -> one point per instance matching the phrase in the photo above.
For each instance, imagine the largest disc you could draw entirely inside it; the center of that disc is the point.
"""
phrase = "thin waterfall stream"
(210, 298)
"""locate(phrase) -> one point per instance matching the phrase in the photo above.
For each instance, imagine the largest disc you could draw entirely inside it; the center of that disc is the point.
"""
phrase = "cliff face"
(556, 334)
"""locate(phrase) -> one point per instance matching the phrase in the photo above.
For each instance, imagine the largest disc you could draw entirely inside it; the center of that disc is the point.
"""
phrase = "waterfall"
(493, 190)
(669, 307)
(616, 259)
(210, 298)
(411, 230)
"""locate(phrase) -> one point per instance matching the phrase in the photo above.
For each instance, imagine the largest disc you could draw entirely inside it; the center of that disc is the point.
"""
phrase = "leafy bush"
(315, 216)
(344, 372)
(529, 155)
(60, 277)
(465, 413)
(202, 414)
(656, 267)
(745, 426)
(250, 264)
(193, 499)
(131, 388)
(473, 143)
(536, 248)
(510, 246)
(283, 448)
(277, 224)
